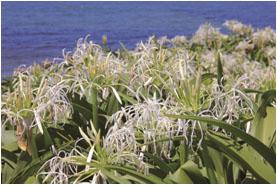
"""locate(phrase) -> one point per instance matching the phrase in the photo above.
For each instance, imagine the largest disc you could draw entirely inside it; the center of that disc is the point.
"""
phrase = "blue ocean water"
(33, 31)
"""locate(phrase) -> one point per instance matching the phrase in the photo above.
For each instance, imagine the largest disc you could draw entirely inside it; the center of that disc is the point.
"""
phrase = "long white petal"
(38, 122)
(84, 136)
(148, 81)
(116, 95)
(90, 154)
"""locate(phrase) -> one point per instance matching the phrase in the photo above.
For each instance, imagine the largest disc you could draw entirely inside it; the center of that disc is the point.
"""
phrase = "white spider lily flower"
(238, 28)
(148, 119)
(120, 140)
(228, 103)
(179, 40)
(206, 33)
(163, 40)
(245, 46)
(263, 37)
(57, 169)
(270, 52)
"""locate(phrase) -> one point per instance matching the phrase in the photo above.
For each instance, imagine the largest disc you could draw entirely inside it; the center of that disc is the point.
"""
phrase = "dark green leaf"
(162, 165)
(263, 150)
(9, 157)
(209, 164)
(151, 179)
(219, 70)
(116, 178)
(243, 155)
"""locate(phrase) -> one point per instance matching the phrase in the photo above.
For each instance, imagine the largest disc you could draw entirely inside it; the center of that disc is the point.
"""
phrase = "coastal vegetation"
(197, 109)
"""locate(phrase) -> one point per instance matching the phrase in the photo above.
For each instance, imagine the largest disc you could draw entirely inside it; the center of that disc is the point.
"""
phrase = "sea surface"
(34, 31)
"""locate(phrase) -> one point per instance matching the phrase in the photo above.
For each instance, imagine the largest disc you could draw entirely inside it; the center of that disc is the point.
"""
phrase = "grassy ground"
(180, 110)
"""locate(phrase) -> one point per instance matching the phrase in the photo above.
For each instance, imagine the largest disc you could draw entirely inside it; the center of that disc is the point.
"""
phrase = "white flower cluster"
(159, 77)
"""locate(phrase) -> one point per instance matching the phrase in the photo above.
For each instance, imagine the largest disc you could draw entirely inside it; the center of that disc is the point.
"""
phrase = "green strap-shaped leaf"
(219, 70)
(243, 155)
(47, 138)
(217, 160)
(209, 164)
(193, 171)
(9, 157)
(264, 122)
(8, 140)
(265, 127)
(116, 178)
(134, 179)
(128, 98)
(31, 180)
(179, 177)
(262, 149)
(252, 91)
(6, 171)
(151, 179)
(229, 173)
(32, 145)
(183, 152)
(94, 108)
(162, 165)
(188, 173)
(84, 110)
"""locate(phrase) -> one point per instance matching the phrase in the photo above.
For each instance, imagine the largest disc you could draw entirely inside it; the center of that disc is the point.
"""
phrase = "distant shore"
(31, 34)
